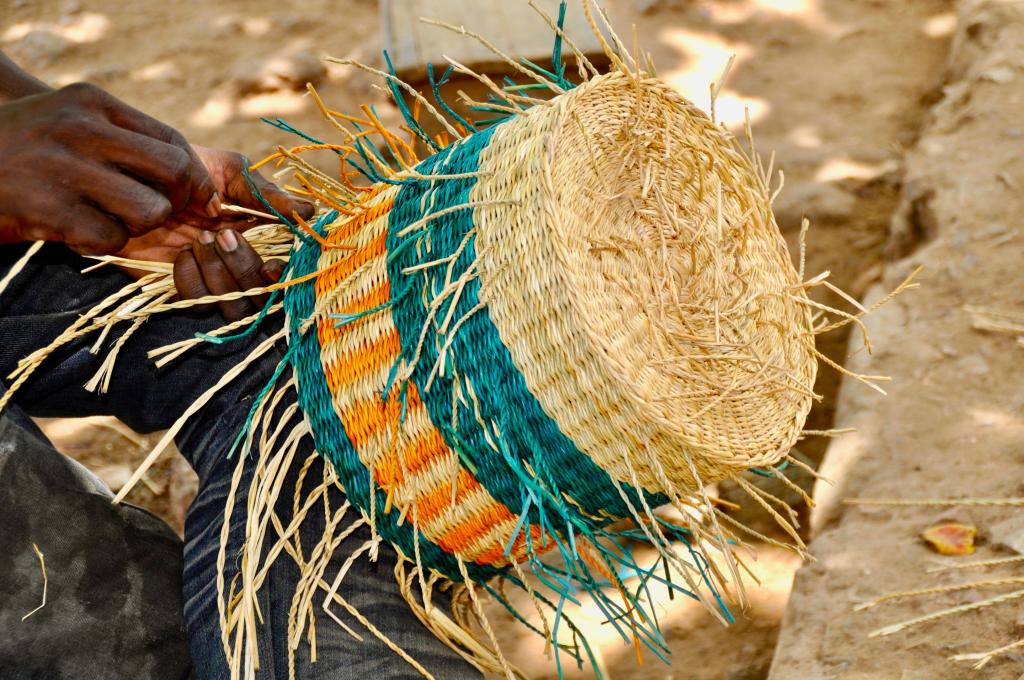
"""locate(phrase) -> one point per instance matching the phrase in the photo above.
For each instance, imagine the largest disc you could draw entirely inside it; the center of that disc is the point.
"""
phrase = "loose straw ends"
(19, 265)
(42, 567)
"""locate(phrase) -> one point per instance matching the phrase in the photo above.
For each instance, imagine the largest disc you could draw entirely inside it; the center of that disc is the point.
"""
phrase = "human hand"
(227, 171)
(82, 167)
(224, 263)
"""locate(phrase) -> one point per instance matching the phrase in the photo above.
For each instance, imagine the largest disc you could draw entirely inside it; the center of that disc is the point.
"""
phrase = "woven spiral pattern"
(596, 314)
(644, 286)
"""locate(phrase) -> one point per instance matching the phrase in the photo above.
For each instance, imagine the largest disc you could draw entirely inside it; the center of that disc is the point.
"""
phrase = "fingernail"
(272, 271)
(213, 206)
(206, 237)
(227, 240)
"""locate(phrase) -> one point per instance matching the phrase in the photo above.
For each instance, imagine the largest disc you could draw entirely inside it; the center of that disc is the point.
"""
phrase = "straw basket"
(600, 304)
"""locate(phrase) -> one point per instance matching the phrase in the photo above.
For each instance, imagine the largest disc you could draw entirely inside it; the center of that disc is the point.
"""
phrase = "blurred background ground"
(838, 88)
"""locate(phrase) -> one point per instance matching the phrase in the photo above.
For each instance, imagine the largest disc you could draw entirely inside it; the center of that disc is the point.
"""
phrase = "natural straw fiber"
(574, 308)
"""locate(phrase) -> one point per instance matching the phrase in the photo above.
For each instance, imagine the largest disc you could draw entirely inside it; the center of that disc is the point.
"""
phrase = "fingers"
(139, 207)
(238, 190)
(79, 157)
(92, 232)
(225, 263)
(281, 200)
(188, 278)
(193, 177)
(165, 165)
(244, 264)
(59, 214)
(272, 271)
(218, 278)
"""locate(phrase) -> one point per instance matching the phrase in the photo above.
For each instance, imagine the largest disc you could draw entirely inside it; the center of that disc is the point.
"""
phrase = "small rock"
(158, 72)
(646, 6)
(1019, 623)
(286, 23)
(749, 673)
(816, 201)
(114, 476)
(291, 72)
(40, 46)
(878, 512)
(1009, 533)
(999, 75)
(1013, 132)
(933, 147)
(992, 230)
(224, 26)
(958, 514)
(96, 74)
(973, 364)
(970, 596)
(916, 675)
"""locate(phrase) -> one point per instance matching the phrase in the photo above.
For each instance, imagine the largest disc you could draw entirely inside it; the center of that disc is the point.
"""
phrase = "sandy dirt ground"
(838, 88)
(952, 425)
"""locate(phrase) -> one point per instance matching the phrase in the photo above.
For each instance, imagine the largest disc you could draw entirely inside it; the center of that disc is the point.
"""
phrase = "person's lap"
(111, 575)
(46, 298)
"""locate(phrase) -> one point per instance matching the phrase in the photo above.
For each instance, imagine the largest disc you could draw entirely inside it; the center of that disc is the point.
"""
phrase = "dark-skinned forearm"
(16, 83)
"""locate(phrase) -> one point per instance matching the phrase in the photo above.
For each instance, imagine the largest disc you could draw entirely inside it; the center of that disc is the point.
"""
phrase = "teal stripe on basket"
(528, 438)
(330, 437)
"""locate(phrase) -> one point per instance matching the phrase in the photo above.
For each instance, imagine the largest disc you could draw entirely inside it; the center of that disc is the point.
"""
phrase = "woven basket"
(613, 313)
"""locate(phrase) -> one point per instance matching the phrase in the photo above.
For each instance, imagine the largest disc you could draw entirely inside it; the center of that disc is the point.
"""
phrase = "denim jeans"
(139, 565)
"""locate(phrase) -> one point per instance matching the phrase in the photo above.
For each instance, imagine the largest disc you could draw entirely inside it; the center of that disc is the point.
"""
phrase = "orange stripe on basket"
(355, 224)
(372, 419)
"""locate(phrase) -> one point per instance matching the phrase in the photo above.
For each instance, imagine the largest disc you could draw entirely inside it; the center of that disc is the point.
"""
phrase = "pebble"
(973, 364)
(992, 230)
(815, 200)
(959, 514)
(94, 74)
(970, 596)
(286, 23)
(916, 675)
(291, 72)
(999, 75)
(748, 673)
(113, 475)
(646, 6)
(932, 147)
(1009, 533)
(42, 46)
